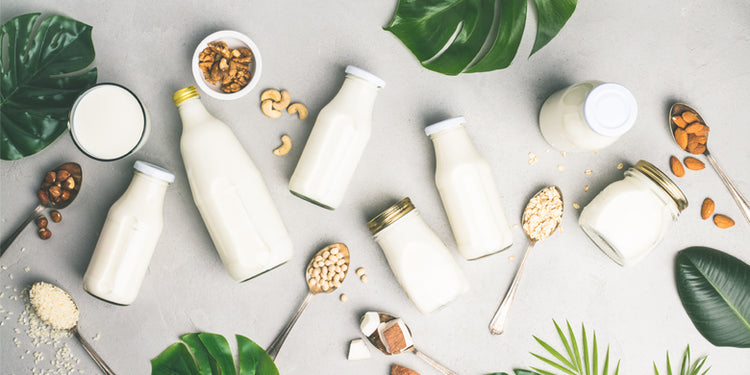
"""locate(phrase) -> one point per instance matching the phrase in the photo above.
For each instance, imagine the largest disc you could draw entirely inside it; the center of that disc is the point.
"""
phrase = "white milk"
(468, 191)
(108, 122)
(422, 264)
(128, 239)
(587, 116)
(337, 141)
(230, 193)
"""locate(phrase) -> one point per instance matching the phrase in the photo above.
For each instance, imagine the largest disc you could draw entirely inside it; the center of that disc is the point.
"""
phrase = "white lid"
(367, 76)
(443, 125)
(610, 109)
(153, 171)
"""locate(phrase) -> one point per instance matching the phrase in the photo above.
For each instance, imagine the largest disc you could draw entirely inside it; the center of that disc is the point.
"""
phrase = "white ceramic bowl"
(233, 39)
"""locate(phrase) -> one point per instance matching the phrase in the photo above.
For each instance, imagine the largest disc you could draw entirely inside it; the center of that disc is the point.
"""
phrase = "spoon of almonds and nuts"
(691, 133)
(58, 189)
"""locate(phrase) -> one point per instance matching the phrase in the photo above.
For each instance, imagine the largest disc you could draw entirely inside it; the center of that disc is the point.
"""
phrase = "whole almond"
(679, 121)
(681, 137)
(723, 221)
(676, 166)
(694, 128)
(703, 131)
(401, 370)
(707, 208)
(694, 164)
(689, 117)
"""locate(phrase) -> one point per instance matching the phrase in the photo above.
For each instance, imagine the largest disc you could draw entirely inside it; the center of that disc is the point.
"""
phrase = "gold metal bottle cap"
(184, 94)
(390, 215)
(664, 182)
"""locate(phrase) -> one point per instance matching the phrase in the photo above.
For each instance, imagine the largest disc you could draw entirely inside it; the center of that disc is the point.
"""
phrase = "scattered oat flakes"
(576, 205)
(560, 168)
(534, 160)
(563, 154)
(511, 257)
(588, 171)
(595, 152)
(586, 188)
(27, 269)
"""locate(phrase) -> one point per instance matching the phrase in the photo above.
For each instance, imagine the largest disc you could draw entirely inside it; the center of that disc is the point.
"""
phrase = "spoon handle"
(443, 370)
(497, 325)
(8, 241)
(273, 349)
(741, 201)
(87, 347)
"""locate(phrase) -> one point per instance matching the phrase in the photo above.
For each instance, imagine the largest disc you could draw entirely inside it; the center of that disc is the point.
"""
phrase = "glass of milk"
(108, 122)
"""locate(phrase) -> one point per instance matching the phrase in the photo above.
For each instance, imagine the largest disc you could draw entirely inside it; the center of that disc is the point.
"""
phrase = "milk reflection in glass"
(230, 193)
(468, 191)
(337, 141)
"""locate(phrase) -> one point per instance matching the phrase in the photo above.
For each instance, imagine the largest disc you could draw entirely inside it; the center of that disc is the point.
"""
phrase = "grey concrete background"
(664, 51)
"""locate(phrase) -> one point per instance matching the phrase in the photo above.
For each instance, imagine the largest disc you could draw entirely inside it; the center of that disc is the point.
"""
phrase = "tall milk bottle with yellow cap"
(230, 193)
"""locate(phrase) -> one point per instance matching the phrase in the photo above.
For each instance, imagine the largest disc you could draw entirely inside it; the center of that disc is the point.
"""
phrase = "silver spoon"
(63, 303)
(77, 174)
(678, 109)
(313, 289)
(374, 338)
(531, 220)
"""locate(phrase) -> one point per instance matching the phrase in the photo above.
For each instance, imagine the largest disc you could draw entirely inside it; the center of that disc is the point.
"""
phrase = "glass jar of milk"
(337, 141)
(630, 217)
(128, 239)
(588, 116)
(108, 122)
(468, 191)
(422, 264)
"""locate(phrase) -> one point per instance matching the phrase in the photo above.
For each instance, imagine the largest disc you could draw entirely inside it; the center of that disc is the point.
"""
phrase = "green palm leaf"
(579, 361)
(687, 367)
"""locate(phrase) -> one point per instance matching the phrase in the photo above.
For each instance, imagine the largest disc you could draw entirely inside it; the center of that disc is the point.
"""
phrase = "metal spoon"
(497, 325)
(679, 108)
(42, 312)
(374, 338)
(313, 289)
(77, 174)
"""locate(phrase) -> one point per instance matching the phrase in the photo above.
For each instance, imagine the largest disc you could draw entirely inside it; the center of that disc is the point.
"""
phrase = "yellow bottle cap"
(184, 94)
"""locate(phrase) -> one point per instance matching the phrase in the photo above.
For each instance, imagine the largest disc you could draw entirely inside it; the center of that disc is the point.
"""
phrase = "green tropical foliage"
(687, 368)
(575, 360)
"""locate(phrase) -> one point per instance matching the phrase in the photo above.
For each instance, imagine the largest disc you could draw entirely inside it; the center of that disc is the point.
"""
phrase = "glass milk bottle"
(337, 141)
(468, 191)
(128, 239)
(422, 264)
(587, 116)
(230, 193)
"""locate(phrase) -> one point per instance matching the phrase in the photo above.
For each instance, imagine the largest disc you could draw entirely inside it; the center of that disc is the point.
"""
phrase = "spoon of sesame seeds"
(325, 273)
(541, 218)
(56, 307)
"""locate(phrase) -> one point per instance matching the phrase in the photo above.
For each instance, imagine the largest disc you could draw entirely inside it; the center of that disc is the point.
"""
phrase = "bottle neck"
(148, 190)
(357, 93)
(192, 112)
(453, 141)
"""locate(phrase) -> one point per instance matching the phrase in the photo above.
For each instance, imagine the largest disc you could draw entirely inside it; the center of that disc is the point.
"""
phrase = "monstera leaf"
(209, 354)
(41, 77)
(455, 36)
(715, 291)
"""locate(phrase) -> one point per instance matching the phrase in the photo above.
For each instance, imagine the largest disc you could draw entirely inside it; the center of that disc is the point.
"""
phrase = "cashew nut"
(298, 108)
(272, 94)
(285, 100)
(267, 108)
(286, 145)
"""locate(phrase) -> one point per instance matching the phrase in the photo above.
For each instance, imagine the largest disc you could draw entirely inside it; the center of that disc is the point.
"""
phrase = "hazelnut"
(62, 175)
(55, 191)
(56, 216)
(43, 196)
(41, 221)
(65, 195)
(69, 184)
(44, 233)
(50, 177)
(45, 185)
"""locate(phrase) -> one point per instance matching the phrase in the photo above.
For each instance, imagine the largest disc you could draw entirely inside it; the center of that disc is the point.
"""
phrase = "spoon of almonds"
(325, 273)
(691, 134)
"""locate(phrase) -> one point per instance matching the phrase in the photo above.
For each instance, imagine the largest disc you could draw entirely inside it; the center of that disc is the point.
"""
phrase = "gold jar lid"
(390, 215)
(184, 94)
(664, 182)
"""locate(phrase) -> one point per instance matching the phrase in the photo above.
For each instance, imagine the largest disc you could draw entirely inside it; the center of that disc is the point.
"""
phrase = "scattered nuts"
(723, 221)
(54, 191)
(56, 216)
(707, 208)
(267, 107)
(681, 137)
(270, 94)
(50, 177)
(225, 66)
(299, 109)
(286, 145)
(44, 233)
(62, 175)
(284, 102)
(694, 164)
(676, 166)
(41, 221)
(43, 197)
(69, 184)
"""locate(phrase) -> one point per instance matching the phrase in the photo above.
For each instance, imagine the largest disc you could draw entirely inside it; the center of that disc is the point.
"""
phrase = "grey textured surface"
(663, 51)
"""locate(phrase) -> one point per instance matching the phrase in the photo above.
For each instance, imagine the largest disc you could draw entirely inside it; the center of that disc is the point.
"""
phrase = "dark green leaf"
(41, 75)
(253, 359)
(525, 372)
(202, 358)
(714, 288)
(507, 39)
(218, 348)
(175, 360)
(552, 15)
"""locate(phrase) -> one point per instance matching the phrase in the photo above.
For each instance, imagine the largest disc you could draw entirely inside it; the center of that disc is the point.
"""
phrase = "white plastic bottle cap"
(445, 124)
(367, 76)
(610, 109)
(153, 171)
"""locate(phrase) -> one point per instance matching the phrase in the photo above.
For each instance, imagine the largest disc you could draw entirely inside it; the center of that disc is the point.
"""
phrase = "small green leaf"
(574, 344)
(199, 352)
(218, 348)
(555, 353)
(565, 343)
(175, 360)
(525, 372)
(554, 364)
(586, 362)
(552, 14)
(253, 359)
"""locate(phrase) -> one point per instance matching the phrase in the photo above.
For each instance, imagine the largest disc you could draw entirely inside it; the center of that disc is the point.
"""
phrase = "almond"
(694, 164)
(401, 370)
(707, 208)
(701, 139)
(677, 120)
(676, 166)
(698, 149)
(723, 221)
(695, 128)
(681, 137)
(703, 131)
(689, 117)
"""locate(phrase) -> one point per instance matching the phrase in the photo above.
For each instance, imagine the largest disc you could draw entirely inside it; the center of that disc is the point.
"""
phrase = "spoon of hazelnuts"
(58, 189)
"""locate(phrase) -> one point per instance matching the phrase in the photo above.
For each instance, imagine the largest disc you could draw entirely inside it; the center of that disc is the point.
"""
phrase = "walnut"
(224, 66)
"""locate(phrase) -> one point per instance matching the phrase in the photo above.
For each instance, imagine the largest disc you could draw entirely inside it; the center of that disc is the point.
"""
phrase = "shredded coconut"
(543, 214)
